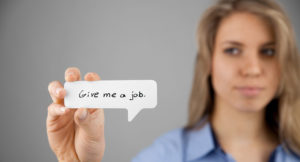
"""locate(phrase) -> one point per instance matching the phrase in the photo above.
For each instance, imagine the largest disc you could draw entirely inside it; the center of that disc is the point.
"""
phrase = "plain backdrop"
(118, 39)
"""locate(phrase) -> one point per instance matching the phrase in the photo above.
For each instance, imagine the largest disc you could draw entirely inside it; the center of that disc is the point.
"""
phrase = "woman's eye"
(232, 51)
(268, 52)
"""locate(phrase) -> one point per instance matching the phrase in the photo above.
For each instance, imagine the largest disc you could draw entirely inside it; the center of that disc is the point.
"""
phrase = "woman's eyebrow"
(269, 44)
(236, 43)
(233, 43)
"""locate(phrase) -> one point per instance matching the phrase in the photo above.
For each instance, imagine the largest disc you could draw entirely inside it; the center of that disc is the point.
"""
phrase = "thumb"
(91, 122)
(81, 114)
(81, 118)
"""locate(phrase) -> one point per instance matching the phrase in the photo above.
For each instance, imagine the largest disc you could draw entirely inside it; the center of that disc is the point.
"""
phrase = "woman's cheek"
(273, 76)
(274, 80)
(222, 76)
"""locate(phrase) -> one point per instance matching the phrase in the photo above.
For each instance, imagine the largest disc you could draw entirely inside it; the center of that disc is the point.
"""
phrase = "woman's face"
(245, 70)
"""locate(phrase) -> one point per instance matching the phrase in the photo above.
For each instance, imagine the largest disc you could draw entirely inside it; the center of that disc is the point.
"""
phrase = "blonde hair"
(283, 112)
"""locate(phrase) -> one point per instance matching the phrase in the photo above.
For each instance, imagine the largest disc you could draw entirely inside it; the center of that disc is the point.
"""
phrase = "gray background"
(118, 39)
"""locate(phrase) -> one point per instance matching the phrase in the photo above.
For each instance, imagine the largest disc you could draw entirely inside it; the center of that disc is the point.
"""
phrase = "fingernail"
(58, 90)
(93, 74)
(71, 73)
(83, 115)
(62, 109)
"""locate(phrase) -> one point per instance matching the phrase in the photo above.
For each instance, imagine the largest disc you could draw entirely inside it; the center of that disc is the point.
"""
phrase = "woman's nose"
(252, 67)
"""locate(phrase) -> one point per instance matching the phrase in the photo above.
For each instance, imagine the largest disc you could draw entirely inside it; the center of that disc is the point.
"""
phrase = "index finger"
(57, 92)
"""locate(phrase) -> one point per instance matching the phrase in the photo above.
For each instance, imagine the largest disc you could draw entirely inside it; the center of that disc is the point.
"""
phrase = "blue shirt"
(197, 146)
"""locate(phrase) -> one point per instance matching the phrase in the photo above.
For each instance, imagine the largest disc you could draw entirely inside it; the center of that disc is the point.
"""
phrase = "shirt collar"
(200, 142)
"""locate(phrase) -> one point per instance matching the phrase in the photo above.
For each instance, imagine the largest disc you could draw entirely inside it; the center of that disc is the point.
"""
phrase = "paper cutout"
(133, 95)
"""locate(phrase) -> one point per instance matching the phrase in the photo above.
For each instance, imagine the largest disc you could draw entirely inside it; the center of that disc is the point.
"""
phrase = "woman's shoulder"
(167, 147)
(172, 145)
(173, 136)
(170, 141)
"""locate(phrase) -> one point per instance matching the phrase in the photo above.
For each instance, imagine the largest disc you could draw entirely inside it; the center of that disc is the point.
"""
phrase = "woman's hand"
(74, 134)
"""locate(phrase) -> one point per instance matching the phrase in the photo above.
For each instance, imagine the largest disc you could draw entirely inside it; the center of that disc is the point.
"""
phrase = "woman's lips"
(250, 91)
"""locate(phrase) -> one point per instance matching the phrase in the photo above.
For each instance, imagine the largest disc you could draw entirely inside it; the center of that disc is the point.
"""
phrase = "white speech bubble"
(133, 95)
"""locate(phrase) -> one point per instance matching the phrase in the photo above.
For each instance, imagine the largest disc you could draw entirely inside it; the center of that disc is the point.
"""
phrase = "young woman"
(244, 104)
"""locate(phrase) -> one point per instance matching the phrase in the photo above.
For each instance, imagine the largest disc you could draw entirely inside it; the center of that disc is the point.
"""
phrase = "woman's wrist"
(68, 158)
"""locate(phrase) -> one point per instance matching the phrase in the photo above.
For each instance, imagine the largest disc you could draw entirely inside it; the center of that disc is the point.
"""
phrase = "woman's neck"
(234, 124)
(236, 129)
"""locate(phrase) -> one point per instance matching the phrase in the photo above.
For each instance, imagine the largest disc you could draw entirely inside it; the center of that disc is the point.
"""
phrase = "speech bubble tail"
(132, 112)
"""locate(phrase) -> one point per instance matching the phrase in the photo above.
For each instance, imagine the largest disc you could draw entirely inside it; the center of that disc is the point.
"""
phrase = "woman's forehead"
(244, 27)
